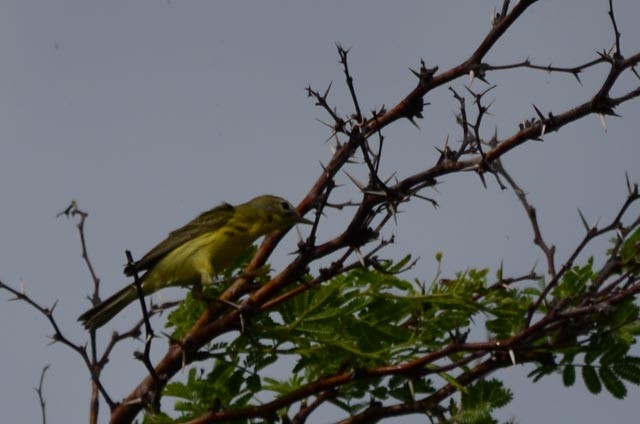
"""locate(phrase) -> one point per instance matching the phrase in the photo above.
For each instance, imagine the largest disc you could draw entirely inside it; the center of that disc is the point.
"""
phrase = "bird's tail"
(100, 314)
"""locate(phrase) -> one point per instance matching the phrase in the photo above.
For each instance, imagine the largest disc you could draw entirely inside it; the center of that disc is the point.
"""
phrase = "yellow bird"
(195, 253)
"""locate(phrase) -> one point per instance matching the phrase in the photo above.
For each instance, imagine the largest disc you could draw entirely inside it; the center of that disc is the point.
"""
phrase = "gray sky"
(148, 112)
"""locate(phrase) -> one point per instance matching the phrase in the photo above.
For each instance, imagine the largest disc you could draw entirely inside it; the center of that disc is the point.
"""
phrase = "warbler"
(193, 254)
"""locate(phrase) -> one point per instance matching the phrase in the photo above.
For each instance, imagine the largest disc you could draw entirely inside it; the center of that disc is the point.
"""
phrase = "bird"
(195, 253)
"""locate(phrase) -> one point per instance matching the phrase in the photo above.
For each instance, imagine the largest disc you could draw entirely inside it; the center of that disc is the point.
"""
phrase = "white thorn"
(603, 121)
(392, 208)
(355, 181)
(512, 356)
(544, 130)
(299, 233)
(184, 360)
(360, 257)
(472, 75)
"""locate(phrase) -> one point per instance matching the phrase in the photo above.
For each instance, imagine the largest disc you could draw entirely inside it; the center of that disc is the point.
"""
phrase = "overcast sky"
(149, 112)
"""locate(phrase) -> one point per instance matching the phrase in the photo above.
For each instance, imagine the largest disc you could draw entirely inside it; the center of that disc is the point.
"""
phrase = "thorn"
(358, 184)
(360, 257)
(484, 183)
(540, 115)
(326, 93)
(603, 121)
(533, 268)
(426, 199)
(626, 177)
(413, 122)
(184, 360)
(377, 193)
(543, 130)
(392, 208)
(300, 238)
(578, 77)
(390, 177)
(22, 289)
(487, 107)
(472, 75)
(412, 389)
(243, 328)
(69, 209)
(584, 221)
(512, 356)
(325, 124)
(494, 138)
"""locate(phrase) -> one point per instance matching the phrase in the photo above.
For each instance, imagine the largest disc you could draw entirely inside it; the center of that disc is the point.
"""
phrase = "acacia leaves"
(368, 337)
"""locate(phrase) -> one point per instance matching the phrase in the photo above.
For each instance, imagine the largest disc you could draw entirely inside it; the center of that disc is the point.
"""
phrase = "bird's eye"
(285, 205)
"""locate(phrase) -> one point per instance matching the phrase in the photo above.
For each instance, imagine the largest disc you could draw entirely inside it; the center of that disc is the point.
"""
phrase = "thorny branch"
(145, 356)
(94, 362)
(58, 336)
(378, 204)
(356, 132)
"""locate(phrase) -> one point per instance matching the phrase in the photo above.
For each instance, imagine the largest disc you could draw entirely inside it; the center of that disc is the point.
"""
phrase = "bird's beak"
(303, 220)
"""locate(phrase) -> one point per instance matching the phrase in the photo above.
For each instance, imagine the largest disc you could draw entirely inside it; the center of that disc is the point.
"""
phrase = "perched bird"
(193, 254)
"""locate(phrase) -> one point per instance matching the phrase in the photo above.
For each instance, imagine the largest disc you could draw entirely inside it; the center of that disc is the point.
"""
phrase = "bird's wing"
(205, 223)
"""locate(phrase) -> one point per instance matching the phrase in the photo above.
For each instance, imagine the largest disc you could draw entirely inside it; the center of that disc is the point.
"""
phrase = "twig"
(58, 335)
(146, 355)
(39, 391)
(342, 52)
(70, 211)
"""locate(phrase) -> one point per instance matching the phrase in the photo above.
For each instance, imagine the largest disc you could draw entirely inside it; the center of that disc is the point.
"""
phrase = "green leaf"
(480, 399)
(612, 383)
(502, 328)
(283, 387)
(630, 249)
(569, 375)
(541, 371)
(614, 353)
(591, 379)
(574, 282)
(628, 371)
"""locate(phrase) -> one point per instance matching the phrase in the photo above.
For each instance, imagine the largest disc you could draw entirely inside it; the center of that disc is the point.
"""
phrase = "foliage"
(367, 319)
(339, 325)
